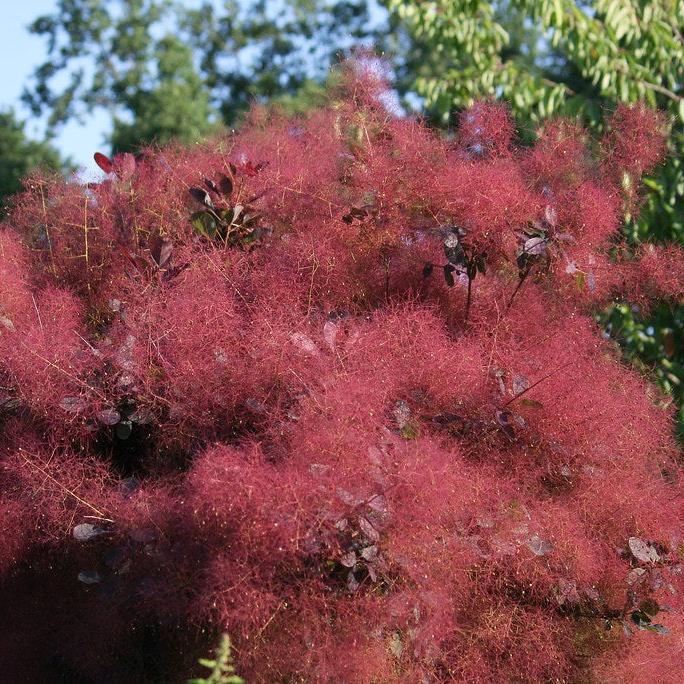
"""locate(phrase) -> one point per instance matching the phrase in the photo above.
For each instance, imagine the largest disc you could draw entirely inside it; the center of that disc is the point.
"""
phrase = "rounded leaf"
(535, 246)
(89, 577)
(86, 531)
(104, 162)
(72, 404)
(124, 429)
(109, 416)
(642, 551)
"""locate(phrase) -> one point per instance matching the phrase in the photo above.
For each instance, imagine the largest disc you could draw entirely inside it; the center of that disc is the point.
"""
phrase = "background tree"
(19, 155)
(175, 107)
(561, 57)
(168, 71)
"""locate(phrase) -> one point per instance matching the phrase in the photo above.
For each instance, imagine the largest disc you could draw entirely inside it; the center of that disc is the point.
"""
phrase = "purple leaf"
(370, 553)
(550, 215)
(142, 416)
(368, 530)
(85, 532)
(304, 343)
(143, 535)
(642, 551)
(567, 593)
(72, 404)
(449, 275)
(401, 413)
(504, 419)
(201, 196)
(539, 546)
(109, 417)
(592, 594)
(535, 246)
(330, 333)
(520, 384)
(89, 577)
(211, 185)
(104, 162)
(591, 282)
(160, 249)
(348, 559)
(128, 487)
(443, 419)
(635, 576)
(225, 184)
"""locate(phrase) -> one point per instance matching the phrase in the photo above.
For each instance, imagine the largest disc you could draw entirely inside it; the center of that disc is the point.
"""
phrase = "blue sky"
(20, 53)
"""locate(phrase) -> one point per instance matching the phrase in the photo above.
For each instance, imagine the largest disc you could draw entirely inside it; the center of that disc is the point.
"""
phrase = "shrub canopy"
(333, 386)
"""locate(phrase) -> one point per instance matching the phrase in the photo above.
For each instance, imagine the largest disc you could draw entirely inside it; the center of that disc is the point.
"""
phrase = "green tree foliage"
(19, 155)
(550, 56)
(170, 70)
(562, 57)
(176, 107)
(655, 346)
(128, 58)
(259, 50)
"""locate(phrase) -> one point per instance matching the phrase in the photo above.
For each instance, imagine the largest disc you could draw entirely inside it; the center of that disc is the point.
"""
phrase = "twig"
(469, 299)
(660, 89)
(281, 606)
(656, 87)
(100, 514)
(35, 306)
(534, 384)
(517, 287)
(61, 370)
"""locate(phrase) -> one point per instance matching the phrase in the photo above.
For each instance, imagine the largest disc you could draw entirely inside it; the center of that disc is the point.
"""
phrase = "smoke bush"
(333, 386)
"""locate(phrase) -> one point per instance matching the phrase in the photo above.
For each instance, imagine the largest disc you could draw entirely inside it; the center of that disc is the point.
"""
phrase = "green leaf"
(222, 670)
(531, 403)
(410, 431)
(204, 224)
